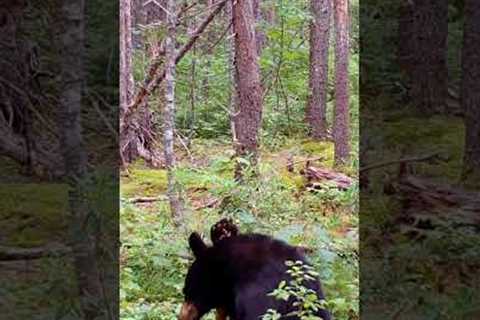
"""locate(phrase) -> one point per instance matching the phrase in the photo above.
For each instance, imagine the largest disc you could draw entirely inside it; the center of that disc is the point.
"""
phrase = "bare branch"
(428, 157)
(154, 78)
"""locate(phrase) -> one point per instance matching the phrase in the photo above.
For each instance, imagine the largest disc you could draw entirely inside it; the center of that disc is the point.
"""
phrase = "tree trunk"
(233, 109)
(259, 34)
(471, 92)
(169, 112)
(429, 75)
(248, 120)
(406, 35)
(126, 75)
(341, 130)
(74, 156)
(318, 82)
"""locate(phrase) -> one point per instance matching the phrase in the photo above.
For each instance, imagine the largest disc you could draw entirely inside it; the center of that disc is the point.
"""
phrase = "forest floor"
(154, 255)
(427, 277)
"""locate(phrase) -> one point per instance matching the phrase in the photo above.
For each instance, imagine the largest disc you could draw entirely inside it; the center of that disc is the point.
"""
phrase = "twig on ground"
(147, 199)
(404, 160)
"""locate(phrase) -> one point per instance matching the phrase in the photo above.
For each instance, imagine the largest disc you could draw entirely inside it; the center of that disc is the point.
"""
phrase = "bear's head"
(203, 284)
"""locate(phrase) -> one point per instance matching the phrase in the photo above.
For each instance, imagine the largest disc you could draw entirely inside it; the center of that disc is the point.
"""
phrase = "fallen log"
(428, 205)
(316, 176)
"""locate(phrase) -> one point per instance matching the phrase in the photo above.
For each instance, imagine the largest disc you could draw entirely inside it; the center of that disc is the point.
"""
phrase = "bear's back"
(248, 255)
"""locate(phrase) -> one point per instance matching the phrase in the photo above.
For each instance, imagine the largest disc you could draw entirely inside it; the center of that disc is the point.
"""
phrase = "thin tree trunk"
(233, 109)
(126, 75)
(318, 82)
(74, 156)
(169, 113)
(429, 75)
(248, 120)
(192, 116)
(208, 54)
(471, 92)
(341, 130)
(259, 34)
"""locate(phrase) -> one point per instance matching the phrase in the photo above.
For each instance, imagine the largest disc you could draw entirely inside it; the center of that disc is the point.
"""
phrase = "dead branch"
(432, 156)
(147, 199)
(154, 78)
(102, 116)
(12, 254)
(210, 204)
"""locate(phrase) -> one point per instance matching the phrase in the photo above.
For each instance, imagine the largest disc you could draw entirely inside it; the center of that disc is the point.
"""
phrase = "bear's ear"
(196, 244)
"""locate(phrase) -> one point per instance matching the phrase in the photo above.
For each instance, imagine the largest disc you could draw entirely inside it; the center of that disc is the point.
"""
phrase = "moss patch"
(437, 134)
(324, 149)
(144, 182)
(33, 214)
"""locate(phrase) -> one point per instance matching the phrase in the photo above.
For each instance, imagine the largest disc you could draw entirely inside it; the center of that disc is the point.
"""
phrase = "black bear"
(235, 276)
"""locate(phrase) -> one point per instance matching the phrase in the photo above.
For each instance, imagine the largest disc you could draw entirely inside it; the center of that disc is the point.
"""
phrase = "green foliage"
(155, 254)
(304, 300)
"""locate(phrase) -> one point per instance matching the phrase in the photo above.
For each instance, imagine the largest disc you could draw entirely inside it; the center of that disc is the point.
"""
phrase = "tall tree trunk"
(192, 116)
(406, 35)
(126, 75)
(248, 120)
(471, 92)
(429, 75)
(233, 109)
(341, 128)
(74, 156)
(259, 34)
(318, 82)
(208, 53)
(169, 113)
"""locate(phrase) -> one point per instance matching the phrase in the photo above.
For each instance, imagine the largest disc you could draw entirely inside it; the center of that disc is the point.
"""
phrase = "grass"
(32, 214)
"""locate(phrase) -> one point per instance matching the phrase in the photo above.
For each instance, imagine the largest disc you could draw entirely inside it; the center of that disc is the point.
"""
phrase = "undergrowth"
(155, 255)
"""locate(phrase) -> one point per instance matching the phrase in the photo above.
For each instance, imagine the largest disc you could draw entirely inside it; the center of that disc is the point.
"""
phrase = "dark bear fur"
(236, 275)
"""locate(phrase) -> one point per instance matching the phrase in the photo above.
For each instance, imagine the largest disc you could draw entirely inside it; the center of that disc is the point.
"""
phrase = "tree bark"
(406, 34)
(429, 75)
(169, 113)
(128, 152)
(318, 82)
(471, 92)
(233, 109)
(75, 159)
(341, 130)
(249, 117)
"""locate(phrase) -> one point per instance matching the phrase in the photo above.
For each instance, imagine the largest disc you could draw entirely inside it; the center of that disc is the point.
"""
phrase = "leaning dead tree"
(155, 75)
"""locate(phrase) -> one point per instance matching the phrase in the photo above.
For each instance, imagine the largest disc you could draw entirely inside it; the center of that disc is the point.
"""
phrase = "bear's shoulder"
(254, 247)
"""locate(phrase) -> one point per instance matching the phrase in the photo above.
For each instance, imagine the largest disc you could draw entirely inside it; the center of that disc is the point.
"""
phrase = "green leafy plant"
(305, 300)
